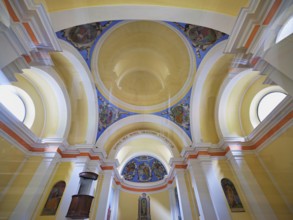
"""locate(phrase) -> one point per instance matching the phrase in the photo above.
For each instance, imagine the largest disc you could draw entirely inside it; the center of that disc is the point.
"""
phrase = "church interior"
(140, 110)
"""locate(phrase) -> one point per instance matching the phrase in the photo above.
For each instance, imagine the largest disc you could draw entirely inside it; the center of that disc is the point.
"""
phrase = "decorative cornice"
(29, 34)
(250, 22)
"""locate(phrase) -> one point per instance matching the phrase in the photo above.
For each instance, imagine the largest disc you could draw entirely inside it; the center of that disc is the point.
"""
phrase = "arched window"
(54, 198)
(264, 102)
(18, 103)
(232, 197)
(267, 104)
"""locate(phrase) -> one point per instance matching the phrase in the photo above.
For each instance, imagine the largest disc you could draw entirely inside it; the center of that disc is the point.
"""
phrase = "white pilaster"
(215, 189)
(184, 203)
(104, 199)
(71, 189)
(173, 205)
(201, 191)
(257, 201)
(31, 196)
(115, 203)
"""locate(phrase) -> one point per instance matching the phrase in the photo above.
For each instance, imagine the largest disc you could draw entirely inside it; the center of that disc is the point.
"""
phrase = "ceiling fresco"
(144, 169)
(85, 37)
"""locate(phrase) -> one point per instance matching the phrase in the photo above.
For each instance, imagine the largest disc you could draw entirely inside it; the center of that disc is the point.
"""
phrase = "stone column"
(184, 203)
(201, 191)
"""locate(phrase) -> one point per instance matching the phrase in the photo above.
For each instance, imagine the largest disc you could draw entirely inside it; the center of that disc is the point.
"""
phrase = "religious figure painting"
(144, 172)
(144, 212)
(158, 170)
(144, 168)
(129, 170)
(54, 199)
(232, 196)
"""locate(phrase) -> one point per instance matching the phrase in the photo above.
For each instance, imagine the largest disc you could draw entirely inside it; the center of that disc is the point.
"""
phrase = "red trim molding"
(11, 11)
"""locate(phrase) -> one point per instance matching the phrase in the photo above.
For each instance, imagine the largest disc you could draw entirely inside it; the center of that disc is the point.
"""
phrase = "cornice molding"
(249, 24)
(28, 34)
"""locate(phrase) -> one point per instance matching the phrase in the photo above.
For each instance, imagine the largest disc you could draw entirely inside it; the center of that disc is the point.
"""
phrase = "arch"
(215, 54)
(156, 123)
(50, 100)
(86, 93)
(54, 198)
(72, 17)
(229, 103)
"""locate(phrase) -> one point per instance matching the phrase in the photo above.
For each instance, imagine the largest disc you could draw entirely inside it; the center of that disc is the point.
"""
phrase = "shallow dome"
(143, 66)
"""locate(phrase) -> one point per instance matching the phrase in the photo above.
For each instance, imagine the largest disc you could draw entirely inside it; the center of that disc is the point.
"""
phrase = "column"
(105, 194)
(201, 191)
(215, 189)
(115, 203)
(31, 196)
(173, 205)
(258, 204)
(183, 195)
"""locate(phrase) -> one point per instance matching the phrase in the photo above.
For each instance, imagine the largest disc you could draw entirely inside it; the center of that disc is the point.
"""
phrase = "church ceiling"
(163, 62)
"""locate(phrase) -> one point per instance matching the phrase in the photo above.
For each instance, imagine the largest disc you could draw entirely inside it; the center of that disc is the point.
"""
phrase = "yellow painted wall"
(62, 173)
(270, 191)
(224, 170)
(229, 7)
(277, 158)
(160, 206)
(11, 160)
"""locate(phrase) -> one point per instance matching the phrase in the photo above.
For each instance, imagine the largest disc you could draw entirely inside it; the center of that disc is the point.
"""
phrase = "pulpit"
(81, 203)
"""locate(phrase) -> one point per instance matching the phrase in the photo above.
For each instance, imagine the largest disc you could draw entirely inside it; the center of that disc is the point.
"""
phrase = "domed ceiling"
(142, 66)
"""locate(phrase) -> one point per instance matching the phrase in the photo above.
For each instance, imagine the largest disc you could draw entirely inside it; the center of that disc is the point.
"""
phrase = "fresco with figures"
(144, 169)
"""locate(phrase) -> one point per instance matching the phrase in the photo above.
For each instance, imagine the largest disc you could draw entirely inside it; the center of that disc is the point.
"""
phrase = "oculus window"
(268, 103)
(18, 103)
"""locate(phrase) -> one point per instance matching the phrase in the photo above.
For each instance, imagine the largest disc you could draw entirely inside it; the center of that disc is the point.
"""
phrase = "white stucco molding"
(69, 18)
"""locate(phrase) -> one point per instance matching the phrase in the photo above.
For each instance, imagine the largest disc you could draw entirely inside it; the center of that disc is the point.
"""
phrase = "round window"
(267, 104)
(18, 103)
(14, 104)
